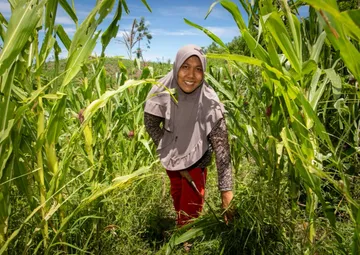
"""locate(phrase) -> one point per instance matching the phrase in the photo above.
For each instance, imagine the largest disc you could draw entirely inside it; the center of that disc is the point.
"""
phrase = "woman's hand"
(226, 197)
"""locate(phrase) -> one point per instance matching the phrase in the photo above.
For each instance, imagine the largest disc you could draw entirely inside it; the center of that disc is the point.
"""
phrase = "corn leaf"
(317, 47)
(255, 48)
(335, 81)
(63, 36)
(146, 4)
(282, 38)
(65, 5)
(112, 30)
(333, 22)
(21, 26)
(102, 101)
(208, 33)
(84, 40)
(353, 30)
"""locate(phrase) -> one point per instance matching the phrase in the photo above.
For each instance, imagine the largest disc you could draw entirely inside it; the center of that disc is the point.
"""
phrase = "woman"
(186, 122)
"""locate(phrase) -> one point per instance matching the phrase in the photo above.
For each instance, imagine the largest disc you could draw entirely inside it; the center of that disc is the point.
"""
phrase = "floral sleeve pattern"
(152, 125)
(219, 142)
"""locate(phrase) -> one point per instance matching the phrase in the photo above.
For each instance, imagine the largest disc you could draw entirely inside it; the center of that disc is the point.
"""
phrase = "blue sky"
(166, 23)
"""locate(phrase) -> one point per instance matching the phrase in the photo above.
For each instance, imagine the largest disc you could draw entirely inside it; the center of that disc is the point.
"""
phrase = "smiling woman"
(190, 75)
(193, 127)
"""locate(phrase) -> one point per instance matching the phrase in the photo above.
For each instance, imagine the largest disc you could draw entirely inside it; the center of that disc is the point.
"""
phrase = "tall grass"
(78, 173)
(57, 131)
(284, 122)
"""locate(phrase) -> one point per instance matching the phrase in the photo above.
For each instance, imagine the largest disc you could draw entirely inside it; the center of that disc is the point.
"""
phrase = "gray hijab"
(188, 121)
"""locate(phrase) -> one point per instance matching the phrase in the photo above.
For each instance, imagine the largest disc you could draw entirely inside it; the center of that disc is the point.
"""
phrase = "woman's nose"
(192, 73)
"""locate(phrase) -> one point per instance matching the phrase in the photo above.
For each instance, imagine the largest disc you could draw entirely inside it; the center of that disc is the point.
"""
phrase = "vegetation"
(139, 31)
(79, 174)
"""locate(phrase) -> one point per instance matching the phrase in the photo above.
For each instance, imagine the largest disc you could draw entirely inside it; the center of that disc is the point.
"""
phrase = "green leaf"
(253, 45)
(56, 120)
(77, 59)
(146, 4)
(112, 30)
(317, 47)
(334, 22)
(308, 67)
(102, 101)
(219, 86)
(208, 33)
(49, 40)
(240, 58)
(353, 29)
(84, 40)
(126, 8)
(348, 19)
(118, 182)
(65, 5)
(145, 73)
(21, 26)
(234, 10)
(63, 36)
(3, 22)
(5, 133)
(294, 24)
(211, 8)
(315, 94)
(335, 81)
(282, 38)
(318, 126)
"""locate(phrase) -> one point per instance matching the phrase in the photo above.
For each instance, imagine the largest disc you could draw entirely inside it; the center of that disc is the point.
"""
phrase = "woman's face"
(190, 74)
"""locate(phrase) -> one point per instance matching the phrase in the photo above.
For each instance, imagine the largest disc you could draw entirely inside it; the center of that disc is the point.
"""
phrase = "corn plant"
(276, 120)
(51, 126)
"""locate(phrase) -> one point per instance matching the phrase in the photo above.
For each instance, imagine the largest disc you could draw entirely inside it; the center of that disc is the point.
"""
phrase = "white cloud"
(64, 20)
(182, 32)
(64, 53)
(225, 31)
(189, 11)
(120, 34)
(70, 30)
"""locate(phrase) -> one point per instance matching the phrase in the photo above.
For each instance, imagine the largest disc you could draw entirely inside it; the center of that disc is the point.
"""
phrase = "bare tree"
(137, 33)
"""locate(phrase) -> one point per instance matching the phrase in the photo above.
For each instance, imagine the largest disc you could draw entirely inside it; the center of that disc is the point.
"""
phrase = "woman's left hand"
(226, 197)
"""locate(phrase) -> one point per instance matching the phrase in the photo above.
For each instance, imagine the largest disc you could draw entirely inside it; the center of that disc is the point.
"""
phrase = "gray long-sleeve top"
(218, 140)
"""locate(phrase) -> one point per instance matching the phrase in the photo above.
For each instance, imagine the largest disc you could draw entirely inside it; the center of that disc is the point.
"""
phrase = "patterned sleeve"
(219, 141)
(152, 125)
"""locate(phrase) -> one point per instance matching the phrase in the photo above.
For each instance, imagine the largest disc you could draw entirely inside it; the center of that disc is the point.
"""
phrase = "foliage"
(78, 173)
(348, 5)
(278, 121)
(138, 32)
(57, 130)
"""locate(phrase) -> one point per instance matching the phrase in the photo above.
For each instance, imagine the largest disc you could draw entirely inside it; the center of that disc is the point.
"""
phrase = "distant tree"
(213, 48)
(348, 4)
(142, 33)
(137, 33)
(238, 46)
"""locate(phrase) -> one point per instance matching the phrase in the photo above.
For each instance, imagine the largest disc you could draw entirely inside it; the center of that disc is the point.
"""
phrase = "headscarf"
(188, 121)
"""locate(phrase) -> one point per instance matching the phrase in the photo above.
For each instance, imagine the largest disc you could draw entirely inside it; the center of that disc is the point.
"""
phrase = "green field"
(80, 175)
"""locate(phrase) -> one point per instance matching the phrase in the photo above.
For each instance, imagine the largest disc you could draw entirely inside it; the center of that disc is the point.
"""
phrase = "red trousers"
(187, 202)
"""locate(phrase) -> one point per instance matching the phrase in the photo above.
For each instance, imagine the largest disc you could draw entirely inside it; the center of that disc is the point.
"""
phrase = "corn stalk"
(39, 114)
(287, 135)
